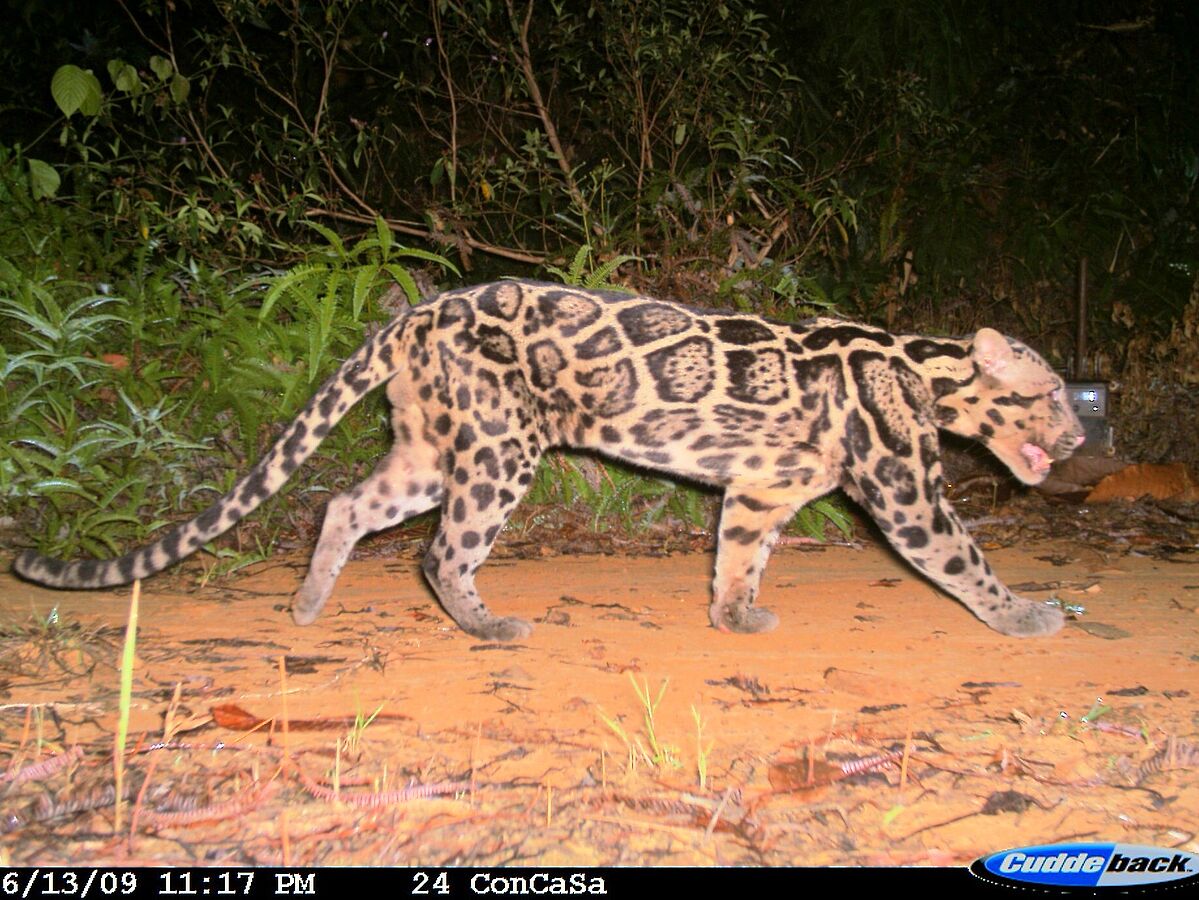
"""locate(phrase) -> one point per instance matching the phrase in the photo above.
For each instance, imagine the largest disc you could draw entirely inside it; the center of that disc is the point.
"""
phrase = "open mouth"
(1038, 459)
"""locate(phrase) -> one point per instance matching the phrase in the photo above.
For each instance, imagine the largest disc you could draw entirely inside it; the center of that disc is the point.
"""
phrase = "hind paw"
(500, 630)
(1028, 619)
(744, 619)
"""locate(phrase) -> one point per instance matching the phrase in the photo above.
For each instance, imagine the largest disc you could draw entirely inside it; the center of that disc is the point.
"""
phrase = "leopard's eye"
(1056, 396)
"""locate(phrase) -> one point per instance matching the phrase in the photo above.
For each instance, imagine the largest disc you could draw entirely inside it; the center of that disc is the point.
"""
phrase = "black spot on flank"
(501, 300)
(507, 498)
(455, 311)
(995, 416)
(496, 345)
(545, 362)
(644, 323)
(743, 331)
(461, 476)
(821, 338)
(610, 435)
(86, 570)
(985, 430)
(683, 372)
(914, 536)
(458, 510)
(391, 512)
(470, 539)
(756, 376)
(490, 533)
(604, 342)
(955, 566)
(615, 389)
(857, 436)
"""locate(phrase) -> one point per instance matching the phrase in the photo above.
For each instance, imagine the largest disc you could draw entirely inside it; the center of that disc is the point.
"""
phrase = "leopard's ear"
(992, 352)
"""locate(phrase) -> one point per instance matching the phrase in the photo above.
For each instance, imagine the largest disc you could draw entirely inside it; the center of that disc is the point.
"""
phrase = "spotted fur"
(483, 380)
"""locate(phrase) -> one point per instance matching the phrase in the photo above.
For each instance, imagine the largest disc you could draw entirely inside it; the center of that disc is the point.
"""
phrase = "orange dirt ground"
(881, 724)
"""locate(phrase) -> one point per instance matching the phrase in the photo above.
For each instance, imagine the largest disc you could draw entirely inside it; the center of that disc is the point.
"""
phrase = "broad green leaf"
(124, 76)
(43, 179)
(161, 67)
(76, 90)
(180, 88)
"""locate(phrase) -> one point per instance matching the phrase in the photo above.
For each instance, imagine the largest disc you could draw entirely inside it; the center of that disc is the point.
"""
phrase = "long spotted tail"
(370, 366)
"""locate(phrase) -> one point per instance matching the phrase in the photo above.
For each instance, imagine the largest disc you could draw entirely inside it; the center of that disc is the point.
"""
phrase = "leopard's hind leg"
(489, 479)
(407, 482)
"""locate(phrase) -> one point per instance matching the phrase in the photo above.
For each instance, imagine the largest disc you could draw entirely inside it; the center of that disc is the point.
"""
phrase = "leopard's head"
(1019, 408)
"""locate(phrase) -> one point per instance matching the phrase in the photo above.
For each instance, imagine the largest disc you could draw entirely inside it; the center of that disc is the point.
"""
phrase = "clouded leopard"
(483, 380)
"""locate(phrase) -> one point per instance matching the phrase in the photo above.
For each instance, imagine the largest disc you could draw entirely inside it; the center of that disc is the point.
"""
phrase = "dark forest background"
(202, 205)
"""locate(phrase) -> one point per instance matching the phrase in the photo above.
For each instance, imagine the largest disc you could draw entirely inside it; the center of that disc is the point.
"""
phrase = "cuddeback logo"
(1088, 865)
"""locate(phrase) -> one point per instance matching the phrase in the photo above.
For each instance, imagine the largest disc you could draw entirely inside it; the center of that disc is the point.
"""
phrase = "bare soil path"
(880, 724)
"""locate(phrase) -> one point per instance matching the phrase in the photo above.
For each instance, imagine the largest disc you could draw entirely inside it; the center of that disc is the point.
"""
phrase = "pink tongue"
(1038, 459)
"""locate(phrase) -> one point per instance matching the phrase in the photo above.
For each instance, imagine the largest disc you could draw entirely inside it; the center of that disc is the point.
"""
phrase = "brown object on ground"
(1160, 481)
